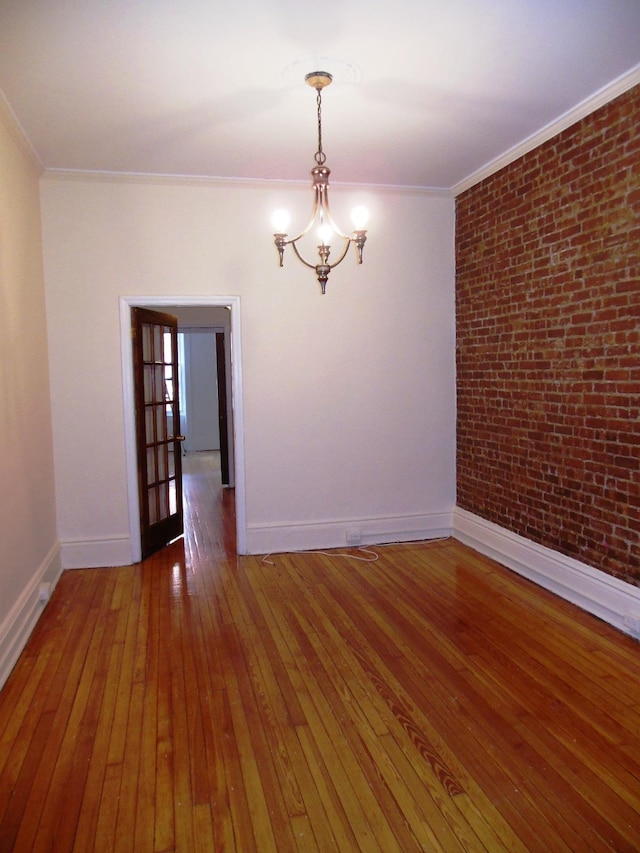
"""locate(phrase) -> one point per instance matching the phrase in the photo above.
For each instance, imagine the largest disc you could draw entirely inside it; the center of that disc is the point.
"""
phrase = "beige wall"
(349, 408)
(29, 552)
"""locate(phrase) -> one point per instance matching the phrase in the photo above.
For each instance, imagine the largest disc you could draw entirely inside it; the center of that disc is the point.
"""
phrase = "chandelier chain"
(320, 155)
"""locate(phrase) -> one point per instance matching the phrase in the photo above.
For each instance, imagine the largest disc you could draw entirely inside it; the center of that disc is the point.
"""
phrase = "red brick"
(548, 342)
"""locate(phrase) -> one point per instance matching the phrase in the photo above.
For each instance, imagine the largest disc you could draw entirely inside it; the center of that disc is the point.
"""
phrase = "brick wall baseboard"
(610, 599)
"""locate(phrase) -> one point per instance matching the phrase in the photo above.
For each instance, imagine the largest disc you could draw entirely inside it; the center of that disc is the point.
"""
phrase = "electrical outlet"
(354, 537)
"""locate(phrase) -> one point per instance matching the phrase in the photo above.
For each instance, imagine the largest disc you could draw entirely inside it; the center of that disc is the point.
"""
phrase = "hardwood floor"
(425, 700)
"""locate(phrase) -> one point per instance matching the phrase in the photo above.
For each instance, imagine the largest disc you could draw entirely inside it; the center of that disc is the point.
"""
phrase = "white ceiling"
(425, 92)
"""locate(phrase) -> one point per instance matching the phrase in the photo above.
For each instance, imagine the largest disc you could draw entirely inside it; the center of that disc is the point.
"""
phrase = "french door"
(158, 438)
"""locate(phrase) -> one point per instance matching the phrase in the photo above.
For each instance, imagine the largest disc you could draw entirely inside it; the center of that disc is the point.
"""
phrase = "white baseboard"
(22, 618)
(280, 538)
(96, 553)
(608, 598)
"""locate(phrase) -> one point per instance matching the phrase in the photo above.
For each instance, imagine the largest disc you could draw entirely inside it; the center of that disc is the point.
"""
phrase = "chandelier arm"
(312, 218)
(299, 256)
(326, 209)
(347, 243)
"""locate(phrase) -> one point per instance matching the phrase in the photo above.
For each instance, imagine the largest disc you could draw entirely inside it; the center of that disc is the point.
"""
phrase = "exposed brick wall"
(548, 342)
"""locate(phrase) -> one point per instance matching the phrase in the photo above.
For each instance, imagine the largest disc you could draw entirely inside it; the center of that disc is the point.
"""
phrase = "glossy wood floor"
(427, 700)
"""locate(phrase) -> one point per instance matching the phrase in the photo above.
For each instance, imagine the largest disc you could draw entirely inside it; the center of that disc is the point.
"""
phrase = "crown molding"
(99, 176)
(17, 133)
(603, 96)
(584, 108)
(217, 181)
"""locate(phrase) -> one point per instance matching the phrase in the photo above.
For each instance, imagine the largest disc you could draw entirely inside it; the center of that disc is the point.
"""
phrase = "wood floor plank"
(412, 697)
(437, 780)
(250, 746)
(97, 768)
(183, 761)
(602, 747)
(91, 741)
(331, 797)
(105, 832)
(37, 687)
(163, 804)
(449, 671)
(67, 701)
(279, 725)
(144, 641)
(204, 836)
(20, 824)
(233, 824)
(354, 719)
(371, 826)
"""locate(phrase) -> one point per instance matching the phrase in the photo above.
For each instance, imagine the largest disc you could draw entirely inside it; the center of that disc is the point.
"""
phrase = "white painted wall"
(202, 430)
(349, 399)
(29, 551)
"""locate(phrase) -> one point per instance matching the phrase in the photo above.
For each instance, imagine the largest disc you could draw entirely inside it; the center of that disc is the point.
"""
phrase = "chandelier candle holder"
(320, 212)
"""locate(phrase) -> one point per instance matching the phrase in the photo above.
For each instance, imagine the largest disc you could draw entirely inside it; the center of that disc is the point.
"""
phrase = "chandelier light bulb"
(324, 234)
(359, 217)
(280, 220)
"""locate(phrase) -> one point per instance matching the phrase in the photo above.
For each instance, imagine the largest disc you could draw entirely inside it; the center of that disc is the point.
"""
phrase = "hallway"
(209, 507)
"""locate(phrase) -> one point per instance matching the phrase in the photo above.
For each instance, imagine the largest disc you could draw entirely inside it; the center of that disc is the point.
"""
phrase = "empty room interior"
(320, 533)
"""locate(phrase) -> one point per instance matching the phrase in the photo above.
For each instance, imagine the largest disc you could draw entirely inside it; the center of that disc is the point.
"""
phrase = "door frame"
(159, 302)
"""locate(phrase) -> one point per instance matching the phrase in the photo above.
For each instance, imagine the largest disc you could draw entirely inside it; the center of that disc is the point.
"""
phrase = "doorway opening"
(209, 508)
(194, 307)
(206, 405)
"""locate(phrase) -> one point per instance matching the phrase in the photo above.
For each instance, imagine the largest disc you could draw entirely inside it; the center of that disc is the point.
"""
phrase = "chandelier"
(320, 212)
